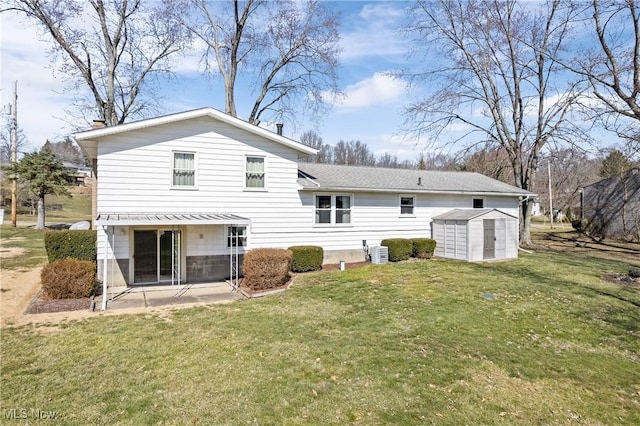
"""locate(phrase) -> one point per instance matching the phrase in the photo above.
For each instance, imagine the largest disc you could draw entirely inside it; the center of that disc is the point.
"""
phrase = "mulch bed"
(622, 279)
(42, 305)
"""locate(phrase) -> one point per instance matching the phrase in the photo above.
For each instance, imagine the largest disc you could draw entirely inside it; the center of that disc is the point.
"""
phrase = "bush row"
(69, 279)
(77, 244)
(403, 248)
(266, 268)
(71, 271)
(306, 258)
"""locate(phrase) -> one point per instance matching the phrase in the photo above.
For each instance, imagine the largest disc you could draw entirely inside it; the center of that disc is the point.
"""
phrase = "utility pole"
(550, 200)
(14, 154)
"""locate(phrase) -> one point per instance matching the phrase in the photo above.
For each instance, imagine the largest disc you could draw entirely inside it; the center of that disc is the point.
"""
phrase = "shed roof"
(467, 214)
(314, 176)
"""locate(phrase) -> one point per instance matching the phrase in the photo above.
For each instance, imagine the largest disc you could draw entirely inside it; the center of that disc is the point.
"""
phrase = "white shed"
(476, 234)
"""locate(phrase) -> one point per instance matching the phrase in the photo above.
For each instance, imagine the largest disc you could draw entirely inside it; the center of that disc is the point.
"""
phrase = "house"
(611, 206)
(180, 198)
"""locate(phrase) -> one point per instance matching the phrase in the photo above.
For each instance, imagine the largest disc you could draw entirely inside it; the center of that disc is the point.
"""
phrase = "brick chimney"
(97, 124)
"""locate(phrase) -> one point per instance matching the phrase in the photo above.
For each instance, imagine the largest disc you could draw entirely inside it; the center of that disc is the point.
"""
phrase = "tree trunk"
(40, 223)
(526, 208)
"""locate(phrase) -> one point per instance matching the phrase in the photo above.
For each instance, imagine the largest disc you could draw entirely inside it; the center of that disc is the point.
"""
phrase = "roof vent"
(419, 181)
(97, 124)
(279, 126)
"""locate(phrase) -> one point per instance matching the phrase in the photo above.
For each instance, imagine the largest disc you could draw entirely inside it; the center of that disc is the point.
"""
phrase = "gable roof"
(467, 214)
(88, 139)
(314, 176)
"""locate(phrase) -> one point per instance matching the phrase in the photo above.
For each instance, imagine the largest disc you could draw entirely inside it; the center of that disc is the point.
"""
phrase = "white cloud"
(379, 89)
(373, 33)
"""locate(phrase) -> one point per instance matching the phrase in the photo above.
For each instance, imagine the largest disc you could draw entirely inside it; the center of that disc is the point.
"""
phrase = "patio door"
(157, 256)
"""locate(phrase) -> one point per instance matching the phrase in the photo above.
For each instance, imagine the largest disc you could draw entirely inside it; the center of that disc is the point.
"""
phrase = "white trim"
(413, 205)
(332, 223)
(417, 191)
(264, 171)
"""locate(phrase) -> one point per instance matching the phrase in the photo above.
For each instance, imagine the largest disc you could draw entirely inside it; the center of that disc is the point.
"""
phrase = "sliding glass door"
(157, 256)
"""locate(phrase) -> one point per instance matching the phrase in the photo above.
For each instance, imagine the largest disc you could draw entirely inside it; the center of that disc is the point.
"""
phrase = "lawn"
(538, 340)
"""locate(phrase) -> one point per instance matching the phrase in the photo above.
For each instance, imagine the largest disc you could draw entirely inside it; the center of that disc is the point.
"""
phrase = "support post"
(104, 267)
(550, 197)
(14, 155)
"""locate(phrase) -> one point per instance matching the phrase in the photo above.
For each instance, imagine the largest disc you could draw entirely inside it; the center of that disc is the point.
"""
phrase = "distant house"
(611, 206)
(180, 198)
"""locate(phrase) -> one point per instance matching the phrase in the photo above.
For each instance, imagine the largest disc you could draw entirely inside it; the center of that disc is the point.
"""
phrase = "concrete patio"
(162, 295)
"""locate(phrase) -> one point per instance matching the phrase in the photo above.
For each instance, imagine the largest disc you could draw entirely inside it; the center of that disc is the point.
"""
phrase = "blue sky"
(370, 112)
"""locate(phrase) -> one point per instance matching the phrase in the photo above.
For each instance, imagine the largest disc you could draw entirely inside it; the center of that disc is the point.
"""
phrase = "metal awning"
(132, 219)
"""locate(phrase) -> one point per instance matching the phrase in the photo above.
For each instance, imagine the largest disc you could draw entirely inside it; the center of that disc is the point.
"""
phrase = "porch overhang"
(164, 219)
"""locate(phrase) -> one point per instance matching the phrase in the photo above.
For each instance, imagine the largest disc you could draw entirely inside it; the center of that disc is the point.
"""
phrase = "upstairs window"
(184, 169)
(407, 204)
(333, 209)
(254, 172)
(478, 203)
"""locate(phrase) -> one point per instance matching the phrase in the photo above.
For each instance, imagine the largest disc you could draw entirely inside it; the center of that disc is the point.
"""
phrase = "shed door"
(489, 226)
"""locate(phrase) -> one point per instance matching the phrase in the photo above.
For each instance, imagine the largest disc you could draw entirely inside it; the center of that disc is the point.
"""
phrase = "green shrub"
(69, 279)
(76, 244)
(423, 248)
(399, 248)
(306, 258)
(266, 268)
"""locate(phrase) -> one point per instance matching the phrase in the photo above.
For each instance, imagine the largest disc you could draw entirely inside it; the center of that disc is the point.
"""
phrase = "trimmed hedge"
(266, 268)
(423, 248)
(76, 244)
(69, 279)
(306, 258)
(399, 248)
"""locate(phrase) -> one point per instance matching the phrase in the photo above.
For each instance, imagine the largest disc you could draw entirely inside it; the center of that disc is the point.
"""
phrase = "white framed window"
(478, 203)
(236, 236)
(407, 205)
(333, 209)
(183, 169)
(254, 172)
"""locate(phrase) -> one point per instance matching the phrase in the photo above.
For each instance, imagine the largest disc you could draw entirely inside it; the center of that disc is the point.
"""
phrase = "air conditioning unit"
(379, 254)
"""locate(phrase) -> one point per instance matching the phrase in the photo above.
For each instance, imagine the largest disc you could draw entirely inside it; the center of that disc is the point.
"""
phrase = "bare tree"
(353, 153)
(495, 78)
(115, 47)
(325, 151)
(287, 49)
(5, 144)
(571, 169)
(66, 151)
(611, 65)
(492, 161)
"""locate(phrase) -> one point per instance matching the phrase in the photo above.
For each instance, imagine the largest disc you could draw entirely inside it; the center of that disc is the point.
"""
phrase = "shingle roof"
(356, 178)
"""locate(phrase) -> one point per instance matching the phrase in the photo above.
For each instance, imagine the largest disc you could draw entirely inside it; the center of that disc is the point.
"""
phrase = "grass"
(29, 241)
(538, 340)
